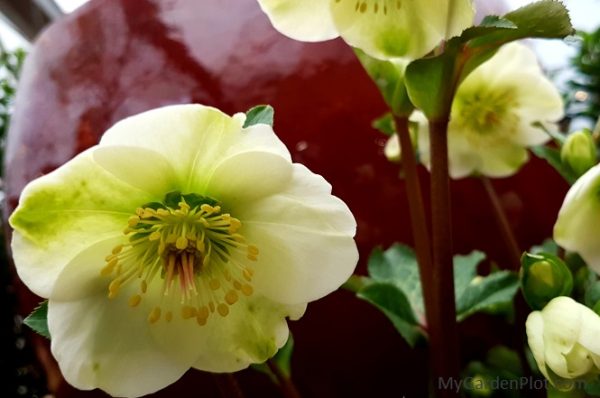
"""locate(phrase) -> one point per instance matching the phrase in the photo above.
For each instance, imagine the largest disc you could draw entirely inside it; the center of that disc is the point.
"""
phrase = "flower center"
(189, 246)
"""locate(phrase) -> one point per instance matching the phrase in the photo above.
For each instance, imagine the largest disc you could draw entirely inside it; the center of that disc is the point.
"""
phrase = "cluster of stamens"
(192, 249)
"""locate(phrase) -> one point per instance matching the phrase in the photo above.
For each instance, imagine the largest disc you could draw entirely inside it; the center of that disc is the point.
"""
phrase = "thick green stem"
(506, 231)
(288, 389)
(417, 214)
(444, 336)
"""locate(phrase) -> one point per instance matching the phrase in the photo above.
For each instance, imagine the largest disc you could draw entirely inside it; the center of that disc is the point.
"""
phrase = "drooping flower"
(385, 29)
(563, 338)
(492, 115)
(181, 240)
(577, 227)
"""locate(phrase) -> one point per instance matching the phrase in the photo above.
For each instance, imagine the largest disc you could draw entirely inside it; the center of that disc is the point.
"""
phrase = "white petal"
(65, 212)
(392, 149)
(590, 330)
(502, 160)
(102, 343)
(577, 228)
(304, 20)
(535, 338)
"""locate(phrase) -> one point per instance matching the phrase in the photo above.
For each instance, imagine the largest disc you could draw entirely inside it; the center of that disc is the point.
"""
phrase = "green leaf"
(385, 124)
(38, 320)
(432, 82)
(552, 156)
(392, 301)
(389, 78)
(492, 294)
(260, 114)
(465, 270)
(547, 246)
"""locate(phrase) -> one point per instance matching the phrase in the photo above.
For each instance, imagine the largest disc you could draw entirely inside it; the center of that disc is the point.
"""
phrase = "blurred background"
(103, 60)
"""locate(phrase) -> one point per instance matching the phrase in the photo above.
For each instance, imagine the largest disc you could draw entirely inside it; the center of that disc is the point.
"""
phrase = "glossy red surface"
(115, 58)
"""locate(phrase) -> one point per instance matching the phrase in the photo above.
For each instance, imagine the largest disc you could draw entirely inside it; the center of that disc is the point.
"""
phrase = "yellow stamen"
(154, 315)
(135, 300)
(223, 309)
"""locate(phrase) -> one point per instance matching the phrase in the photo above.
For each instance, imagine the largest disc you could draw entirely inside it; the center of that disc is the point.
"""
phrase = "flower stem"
(443, 330)
(417, 213)
(288, 389)
(506, 231)
(228, 386)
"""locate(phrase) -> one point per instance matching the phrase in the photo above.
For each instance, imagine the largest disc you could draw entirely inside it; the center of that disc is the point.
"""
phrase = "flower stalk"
(286, 385)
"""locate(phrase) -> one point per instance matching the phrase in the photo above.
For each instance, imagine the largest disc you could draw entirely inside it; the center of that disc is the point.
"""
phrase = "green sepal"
(260, 114)
(389, 78)
(38, 319)
(543, 277)
(432, 82)
(385, 124)
(283, 361)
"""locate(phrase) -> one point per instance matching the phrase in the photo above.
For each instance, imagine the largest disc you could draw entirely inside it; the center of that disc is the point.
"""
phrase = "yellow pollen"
(231, 297)
(188, 312)
(154, 315)
(135, 300)
(211, 305)
(247, 289)
(114, 287)
(154, 236)
(253, 250)
(247, 275)
(143, 286)
(133, 221)
(223, 309)
(214, 284)
(117, 249)
(252, 257)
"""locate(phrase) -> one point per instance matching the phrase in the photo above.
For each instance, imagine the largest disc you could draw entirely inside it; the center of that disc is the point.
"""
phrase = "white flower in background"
(563, 338)
(384, 29)
(492, 115)
(577, 227)
(181, 240)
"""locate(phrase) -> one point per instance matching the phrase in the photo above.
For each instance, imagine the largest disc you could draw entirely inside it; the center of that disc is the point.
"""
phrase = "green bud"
(579, 152)
(543, 277)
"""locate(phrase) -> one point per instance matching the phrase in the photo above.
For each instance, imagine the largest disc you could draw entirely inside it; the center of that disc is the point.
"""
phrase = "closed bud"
(544, 277)
(579, 152)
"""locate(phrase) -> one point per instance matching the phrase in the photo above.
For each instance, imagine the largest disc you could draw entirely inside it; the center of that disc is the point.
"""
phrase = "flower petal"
(306, 20)
(502, 160)
(63, 213)
(102, 343)
(576, 227)
(291, 230)
(204, 136)
(535, 338)
(398, 29)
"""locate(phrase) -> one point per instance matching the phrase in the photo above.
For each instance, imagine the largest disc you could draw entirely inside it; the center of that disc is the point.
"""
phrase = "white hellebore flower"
(181, 240)
(384, 29)
(563, 338)
(577, 227)
(492, 115)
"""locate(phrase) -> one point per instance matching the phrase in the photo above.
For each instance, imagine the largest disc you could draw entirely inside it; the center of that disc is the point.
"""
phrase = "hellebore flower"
(577, 227)
(492, 115)
(181, 240)
(384, 29)
(578, 152)
(563, 338)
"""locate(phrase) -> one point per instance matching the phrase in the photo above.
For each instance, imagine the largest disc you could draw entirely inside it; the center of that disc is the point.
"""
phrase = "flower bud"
(579, 152)
(563, 338)
(544, 277)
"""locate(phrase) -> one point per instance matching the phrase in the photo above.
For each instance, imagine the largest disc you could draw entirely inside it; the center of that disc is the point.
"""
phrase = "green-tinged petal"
(102, 343)
(304, 20)
(577, 228)
(535, 338)
(306, 204)
(247, 176)
(65, 212)
(590, 330)
(579, 362)
(502, 160)
(389, 29)
(193, 138)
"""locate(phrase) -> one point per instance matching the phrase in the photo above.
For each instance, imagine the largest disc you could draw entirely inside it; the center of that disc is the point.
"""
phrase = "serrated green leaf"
(552, 156)
(465, 270)
(260, 114)
(492, 294)
(392, 301)
(38, 320)
(398, 266)
(385, 124)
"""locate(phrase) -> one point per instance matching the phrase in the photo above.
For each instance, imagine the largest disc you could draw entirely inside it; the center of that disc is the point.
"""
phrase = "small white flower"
(492, 116)
(563, 338)
(385, 29)
(181, 240)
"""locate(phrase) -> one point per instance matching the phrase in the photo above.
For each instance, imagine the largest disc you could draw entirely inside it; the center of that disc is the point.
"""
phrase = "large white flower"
(577, 227)
(384, 29)
(563, 338)
(492, 116)
(181, 240)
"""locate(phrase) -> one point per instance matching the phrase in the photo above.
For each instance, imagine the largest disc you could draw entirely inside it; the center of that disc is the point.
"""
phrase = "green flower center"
(192, 248)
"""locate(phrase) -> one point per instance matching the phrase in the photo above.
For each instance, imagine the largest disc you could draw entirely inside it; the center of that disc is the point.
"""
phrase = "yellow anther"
(237, 285)
(161, 247)
(231, 297)
(216, 209)
(234, 225)
(139, 211)
(223, 309)
(114, 287)
(238, 238)
(206, 208)
(135, 300)
(247, 289)
(162, 212)
(253, 250)
(200, 246)
(188, 312)
(127, 230)
(227, 275)
(252, 257)
(169, 316)
(117, 249)
(109, 268)
(133, 221)
(247, 275)
(206, 261)
(110, 257)
(154, 315)
(171, 238)
(154, 236)
(184, 206)
(214, 284)
(148, 212)
(181, 243)
(202, 312)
